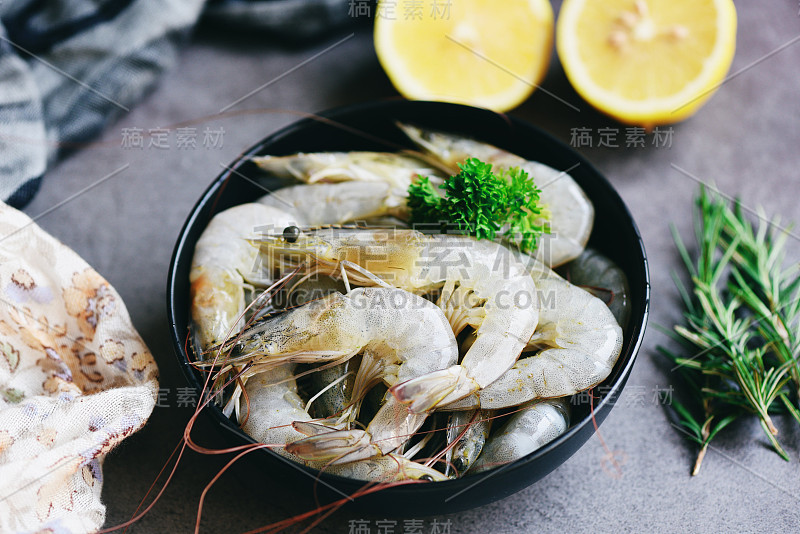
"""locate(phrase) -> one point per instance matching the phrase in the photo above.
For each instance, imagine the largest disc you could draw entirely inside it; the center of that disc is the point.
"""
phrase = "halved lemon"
(479, 52)
(646, 62)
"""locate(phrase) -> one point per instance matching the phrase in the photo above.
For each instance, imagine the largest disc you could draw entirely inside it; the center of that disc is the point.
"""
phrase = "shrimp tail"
(392, 426)
(426, 392)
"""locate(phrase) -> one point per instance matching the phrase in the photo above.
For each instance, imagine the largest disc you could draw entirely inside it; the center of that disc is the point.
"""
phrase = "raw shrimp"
(374, 368)
(392, 323)
(571, 211)
(275, 405)
(223, 262)
(577, 343)
(482, 285)
(387, 321)
(322, 204)
(388, 468)
(343, 386)
(335, 385)
(602, 278)
(466, 450)
(398, 170)
(533, 426)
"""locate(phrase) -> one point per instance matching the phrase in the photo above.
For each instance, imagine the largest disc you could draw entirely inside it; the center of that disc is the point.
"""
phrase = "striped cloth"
(70, 67)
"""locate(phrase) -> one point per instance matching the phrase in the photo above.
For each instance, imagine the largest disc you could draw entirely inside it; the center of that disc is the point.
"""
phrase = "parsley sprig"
(741, 340)
(482, 203)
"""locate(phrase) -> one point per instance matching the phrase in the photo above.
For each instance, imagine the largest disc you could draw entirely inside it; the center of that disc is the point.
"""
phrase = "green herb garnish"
(742, 332)
(478, 202)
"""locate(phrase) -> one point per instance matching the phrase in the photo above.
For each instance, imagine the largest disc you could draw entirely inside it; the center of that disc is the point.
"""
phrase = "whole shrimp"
(571, 211)
(389, 322)
(575, 346)
(531, 427)
(275, 405)
(602, 278)
(536, 418)
(473, 427)
(482, 285)
(389, 468)
(325, 203)
(397, 170)
(224, 260)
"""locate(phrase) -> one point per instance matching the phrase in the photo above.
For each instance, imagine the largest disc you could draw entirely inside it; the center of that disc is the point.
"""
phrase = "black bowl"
(372, 127)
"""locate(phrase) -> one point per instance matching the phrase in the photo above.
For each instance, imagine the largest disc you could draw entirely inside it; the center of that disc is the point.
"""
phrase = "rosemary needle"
(741, 331)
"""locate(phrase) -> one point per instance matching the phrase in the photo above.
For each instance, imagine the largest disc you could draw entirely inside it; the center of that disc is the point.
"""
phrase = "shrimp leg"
(482, 285)
(390, 322)
(224, 260)
(275, 405)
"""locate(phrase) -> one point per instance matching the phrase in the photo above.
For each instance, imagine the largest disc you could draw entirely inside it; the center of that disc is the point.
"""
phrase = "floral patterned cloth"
(75, 380)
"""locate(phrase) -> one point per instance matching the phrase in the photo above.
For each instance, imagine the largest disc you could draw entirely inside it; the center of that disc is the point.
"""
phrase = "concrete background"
(746, 140)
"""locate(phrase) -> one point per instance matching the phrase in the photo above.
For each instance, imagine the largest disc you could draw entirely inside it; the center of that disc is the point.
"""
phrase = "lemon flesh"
(646, 62)
(479, 52)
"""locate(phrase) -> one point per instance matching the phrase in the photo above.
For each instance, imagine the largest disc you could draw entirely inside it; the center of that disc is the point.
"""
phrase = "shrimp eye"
(426, 477)
(459, 464)
(291, 234)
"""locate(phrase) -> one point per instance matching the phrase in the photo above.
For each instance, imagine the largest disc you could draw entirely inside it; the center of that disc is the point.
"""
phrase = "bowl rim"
(618, 376)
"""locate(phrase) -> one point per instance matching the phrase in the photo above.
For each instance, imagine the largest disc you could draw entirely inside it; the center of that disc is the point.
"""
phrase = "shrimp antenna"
(344, 279)
(412, 451)
(326, 388)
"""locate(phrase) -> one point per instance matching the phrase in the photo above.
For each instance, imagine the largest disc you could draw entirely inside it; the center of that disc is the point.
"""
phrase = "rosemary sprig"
(742, 325)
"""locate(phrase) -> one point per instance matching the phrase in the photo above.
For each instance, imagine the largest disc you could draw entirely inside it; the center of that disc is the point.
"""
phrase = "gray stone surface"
(745, 140)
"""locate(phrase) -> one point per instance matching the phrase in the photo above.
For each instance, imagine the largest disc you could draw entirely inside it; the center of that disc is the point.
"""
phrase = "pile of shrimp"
(351, 343)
